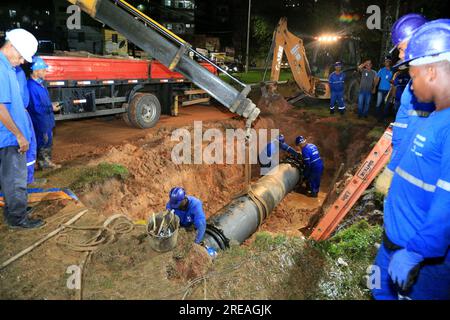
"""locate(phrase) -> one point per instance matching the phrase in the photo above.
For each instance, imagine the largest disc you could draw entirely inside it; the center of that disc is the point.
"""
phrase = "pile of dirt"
(273, 103)
(190, 259)
(153, 174)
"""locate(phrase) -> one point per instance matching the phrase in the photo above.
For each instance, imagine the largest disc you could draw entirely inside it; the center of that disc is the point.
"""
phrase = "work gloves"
(383, 182)
(404, 268)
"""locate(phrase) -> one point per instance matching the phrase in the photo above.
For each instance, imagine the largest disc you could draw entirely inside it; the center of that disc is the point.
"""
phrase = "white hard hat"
(24, 42)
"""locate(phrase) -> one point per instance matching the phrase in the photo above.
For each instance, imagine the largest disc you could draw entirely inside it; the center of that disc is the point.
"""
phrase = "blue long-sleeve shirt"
(417, 208)
(336, 82)
(11, 98)
(289, 149)
(40, 107)
(22, 79)
(192, 215)
(406, 121)
(311, 156)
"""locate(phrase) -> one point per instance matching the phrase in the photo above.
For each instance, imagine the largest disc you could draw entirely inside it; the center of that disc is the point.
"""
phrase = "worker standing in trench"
(190, 211)
(41, 111)
(336, 80)
(414, 259)
(313, 165)
(411, 112)
(15, 132)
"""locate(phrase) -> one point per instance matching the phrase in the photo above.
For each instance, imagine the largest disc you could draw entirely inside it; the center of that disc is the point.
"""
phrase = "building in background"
(36, 19)
(88, 38)
(178, 16)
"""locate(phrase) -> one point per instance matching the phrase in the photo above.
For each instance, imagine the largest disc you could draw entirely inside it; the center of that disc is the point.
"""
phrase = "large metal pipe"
(239, 219)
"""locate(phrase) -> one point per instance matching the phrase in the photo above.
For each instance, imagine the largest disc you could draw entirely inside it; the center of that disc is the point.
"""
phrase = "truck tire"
(144, 110)
(351, 96)
(126, 119)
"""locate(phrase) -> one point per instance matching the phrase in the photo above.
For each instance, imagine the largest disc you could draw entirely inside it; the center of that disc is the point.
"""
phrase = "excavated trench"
(127, 268)
(153, 174)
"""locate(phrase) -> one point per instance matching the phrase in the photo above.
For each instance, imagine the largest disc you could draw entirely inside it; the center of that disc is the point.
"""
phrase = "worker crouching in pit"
(41, 111)
(190, 211)
(313, 165)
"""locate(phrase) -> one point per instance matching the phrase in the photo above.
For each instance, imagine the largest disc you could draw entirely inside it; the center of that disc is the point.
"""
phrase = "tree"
(261, 38)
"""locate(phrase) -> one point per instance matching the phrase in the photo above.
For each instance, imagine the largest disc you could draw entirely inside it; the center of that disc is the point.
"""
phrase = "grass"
(352, 243)
(255, 76)
(376, 133)
(90, 176)
(266, 241)
(79, 178)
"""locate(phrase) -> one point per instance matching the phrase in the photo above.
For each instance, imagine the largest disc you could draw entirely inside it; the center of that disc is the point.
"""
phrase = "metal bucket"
(162, 230)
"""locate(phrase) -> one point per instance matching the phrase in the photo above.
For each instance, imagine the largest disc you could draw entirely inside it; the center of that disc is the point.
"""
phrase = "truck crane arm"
(170, 50)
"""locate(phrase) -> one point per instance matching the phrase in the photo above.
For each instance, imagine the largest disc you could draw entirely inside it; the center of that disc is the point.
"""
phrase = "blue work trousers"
(337, 97)
(13, 182)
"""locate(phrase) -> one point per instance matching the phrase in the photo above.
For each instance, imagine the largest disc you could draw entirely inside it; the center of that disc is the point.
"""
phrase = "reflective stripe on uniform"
(341, 108)
(418, 113)
(415, 181)
(315, 160)
(31, 163)
(443, 185)
(400, 125)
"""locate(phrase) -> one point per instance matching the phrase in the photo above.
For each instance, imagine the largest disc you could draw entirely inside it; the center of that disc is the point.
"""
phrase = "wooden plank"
(195, 91)
(195, 101)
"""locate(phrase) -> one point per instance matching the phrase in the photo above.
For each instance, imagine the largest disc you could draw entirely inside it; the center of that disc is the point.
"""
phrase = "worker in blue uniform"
(313, 164)
(32, 152)
(383, 80)
(15, 132)
(190, 211)
(336, 81)
(411, 112)
(414, 259)
(41, 111)
(400, 81)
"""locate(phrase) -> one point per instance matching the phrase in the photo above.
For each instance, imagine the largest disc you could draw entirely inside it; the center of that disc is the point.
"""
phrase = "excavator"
(311, 75)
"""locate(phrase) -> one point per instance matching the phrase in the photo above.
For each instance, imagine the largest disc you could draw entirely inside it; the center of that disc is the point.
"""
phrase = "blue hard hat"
(428, 43)
(299, 140)
(176, 196)
(338, 64)
(38, 63)
(404, 28)
(281, 138)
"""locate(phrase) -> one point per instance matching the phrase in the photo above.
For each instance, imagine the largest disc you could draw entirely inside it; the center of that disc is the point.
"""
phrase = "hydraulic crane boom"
(170, 50)
(286, 42)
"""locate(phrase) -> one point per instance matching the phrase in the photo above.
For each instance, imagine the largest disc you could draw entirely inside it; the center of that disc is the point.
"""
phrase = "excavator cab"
(325, 50)
(311, 61)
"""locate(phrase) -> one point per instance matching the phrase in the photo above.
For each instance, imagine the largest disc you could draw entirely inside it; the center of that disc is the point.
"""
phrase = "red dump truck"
(139, 89)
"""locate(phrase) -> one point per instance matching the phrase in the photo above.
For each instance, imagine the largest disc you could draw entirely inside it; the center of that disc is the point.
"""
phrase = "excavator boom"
(286, 42)
(170, 50)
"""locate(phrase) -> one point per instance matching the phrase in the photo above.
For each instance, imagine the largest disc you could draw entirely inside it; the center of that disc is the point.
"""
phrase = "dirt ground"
(128, 268)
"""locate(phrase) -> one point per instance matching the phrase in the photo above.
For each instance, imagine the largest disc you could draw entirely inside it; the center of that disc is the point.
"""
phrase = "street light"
(248, 36)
